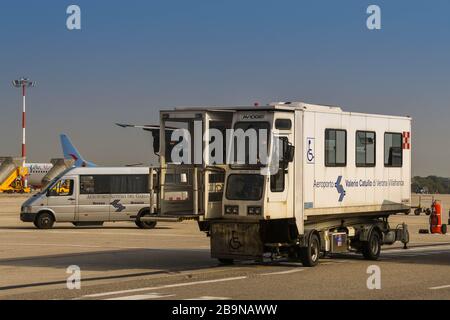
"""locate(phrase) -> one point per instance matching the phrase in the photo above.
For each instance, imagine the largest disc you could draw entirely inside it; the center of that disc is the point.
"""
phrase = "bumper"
(27, 217)
(236, 240)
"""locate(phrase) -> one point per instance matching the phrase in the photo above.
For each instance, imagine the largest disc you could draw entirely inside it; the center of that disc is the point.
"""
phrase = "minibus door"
(61, 198)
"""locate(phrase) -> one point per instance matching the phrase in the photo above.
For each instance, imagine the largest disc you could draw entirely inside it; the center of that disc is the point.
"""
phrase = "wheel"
(226, 261)
(444, 229)
(372, 248)
(417, 212)
(309, 256)
(146, 224)
(44, 220)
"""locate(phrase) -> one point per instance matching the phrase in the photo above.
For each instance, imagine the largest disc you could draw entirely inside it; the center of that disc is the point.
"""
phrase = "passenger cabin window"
(137, 183)
(97, 184)
(114, 184)
(335, 148)
(365, 149)
(393, 152)
(62, 188)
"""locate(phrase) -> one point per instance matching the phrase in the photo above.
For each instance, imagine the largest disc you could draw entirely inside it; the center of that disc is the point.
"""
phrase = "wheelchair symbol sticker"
(310, 154)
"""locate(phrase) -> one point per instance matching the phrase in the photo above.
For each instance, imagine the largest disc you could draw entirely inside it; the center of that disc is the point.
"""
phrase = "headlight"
(26, 209)
(232, 210)
(254, 211)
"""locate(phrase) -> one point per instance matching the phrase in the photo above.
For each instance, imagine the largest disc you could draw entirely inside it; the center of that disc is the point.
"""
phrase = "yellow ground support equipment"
(12, 177)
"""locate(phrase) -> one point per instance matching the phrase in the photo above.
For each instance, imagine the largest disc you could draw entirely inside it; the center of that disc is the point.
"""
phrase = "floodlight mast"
(24, 83)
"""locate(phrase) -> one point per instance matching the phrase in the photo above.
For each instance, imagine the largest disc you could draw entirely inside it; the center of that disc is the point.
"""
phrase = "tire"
(146, 224)
(309, 256)
(226, 261)
(417, 212)
(372, 248)
(44, 220)
(444, 229)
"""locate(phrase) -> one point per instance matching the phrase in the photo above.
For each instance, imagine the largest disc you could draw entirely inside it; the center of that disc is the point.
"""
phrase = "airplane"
(71, 153)
(37, 171)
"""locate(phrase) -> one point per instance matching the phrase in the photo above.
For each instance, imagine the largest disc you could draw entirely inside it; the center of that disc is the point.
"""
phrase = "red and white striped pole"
(24, 83)
(24, 154)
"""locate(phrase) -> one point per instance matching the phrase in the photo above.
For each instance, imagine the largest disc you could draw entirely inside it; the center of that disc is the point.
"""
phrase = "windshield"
(54, 181)
(245, 187)
(252, 146)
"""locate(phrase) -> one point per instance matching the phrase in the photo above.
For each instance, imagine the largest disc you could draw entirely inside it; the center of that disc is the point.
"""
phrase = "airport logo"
(340, 189)
(116, 204)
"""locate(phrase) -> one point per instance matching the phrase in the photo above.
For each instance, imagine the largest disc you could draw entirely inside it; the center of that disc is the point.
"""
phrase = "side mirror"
(155, 135)
(288, 151)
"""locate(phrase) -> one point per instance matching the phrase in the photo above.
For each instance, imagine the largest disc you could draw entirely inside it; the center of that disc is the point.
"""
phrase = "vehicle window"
(251, 145)
(277, 181)
(365, 148)
(62, 188)
(335, 148)
(96, 184)
(137, 183)
(245, 187)
(393, 152)
(283, 124)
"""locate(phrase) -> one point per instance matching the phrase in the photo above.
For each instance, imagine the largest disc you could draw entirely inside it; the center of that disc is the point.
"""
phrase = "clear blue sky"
(132, 58)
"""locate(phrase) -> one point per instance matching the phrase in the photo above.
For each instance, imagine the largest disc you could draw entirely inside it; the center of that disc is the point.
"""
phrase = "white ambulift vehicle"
(341, 175)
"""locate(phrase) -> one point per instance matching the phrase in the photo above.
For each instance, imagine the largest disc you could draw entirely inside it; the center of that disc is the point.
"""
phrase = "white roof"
(108, 170)
(284, 106)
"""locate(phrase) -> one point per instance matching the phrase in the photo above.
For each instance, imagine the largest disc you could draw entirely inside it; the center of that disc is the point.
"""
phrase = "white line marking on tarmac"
(418, 249)
(281, 272)
(100, 232)
(84, 246)
(175, 285)
(146, 296)
(440, 287)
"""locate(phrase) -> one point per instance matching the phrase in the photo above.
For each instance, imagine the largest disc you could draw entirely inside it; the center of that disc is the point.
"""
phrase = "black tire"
(44, 220)
(146, 224)
(417, 212)
(444, 229)
(226, 261)
(309, 256)
(372, 248)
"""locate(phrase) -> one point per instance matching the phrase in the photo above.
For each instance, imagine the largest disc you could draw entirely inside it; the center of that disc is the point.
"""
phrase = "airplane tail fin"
(71, 153)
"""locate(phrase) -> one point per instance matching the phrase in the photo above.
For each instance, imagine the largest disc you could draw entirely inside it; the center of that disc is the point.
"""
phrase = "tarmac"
(172, 261)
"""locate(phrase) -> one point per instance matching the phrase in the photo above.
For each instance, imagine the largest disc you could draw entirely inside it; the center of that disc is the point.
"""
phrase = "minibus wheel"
(146, 224)
(44, 220)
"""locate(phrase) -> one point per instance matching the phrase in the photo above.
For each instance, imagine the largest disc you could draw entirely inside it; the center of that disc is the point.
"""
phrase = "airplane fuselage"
(36, 172)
